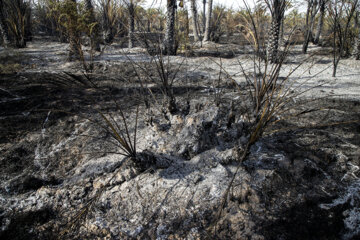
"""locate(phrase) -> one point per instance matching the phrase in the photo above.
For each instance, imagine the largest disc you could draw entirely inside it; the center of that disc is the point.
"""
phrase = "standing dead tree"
(3, 27)
(73, 33)
(169, 45)
(18, 19)
(277, 9)
(95, 30)
(356, 46)
(132, 17)
(195, 24)
(217, 23)
(322, 8)
(341, 13)
(108, 10)
(204, 17)
(131, 11)
(208, 21)
(312, 9)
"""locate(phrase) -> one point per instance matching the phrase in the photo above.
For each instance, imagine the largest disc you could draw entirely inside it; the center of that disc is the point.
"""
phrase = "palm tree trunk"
(273, 41)
(109, 35)
(131, 9)
(356, 47)
(3, 27)
(203, 17)
(108, 25)
(169, 41)
(194, 21)
(208, 21)
(321, 21)
(28, 34)
(310, 18)
(95, 33)
(277, 14)
(356, 50)
(17, 16)
(281, 33)
(74, 38)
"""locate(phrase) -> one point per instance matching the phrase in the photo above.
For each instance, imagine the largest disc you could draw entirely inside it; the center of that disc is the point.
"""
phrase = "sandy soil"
(315, 73)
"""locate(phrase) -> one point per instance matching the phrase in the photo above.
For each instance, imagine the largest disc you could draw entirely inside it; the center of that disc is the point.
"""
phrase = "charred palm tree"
(341, 13)
(203, 16)
(320, 24)
(194, 21)
(277, 9)
(3, 27)
(356, 49)
(356, 46)
(169, 47)
(28, 23)
(18, 17)
(208, 21)
(73, 33)
(310, 19)
(109, 19)
(131, 12)
(95, 30)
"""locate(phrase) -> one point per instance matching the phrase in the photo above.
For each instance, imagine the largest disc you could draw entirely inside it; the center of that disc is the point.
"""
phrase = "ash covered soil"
(62, 177)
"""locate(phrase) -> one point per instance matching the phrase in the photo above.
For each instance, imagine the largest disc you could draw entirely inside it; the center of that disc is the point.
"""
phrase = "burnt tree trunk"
(3, 27)
(74, 38)
(131, 10)
(356, 46)
(108, 25)
(310, 18)
(341, 30)
(169, 47)
(95, 30)
(273, 41)
(203, 17)
(277, 10)
(208, 21)
(320, 22)
(28, 25)
(194, 21)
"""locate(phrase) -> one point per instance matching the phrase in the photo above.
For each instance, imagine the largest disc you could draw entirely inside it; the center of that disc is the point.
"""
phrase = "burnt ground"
(300, 181)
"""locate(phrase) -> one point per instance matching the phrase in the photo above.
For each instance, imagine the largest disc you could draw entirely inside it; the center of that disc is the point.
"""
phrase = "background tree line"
(267, 24)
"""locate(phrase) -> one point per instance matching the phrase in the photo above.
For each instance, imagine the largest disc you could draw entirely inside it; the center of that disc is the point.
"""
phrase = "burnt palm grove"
(180, 119)
(181, 24)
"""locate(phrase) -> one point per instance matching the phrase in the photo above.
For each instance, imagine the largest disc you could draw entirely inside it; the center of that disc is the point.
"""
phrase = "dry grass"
(10, 61)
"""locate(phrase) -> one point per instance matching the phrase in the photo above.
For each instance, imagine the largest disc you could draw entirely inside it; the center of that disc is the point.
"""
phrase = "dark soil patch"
(31, 183)
(306, 221)
(23, 225)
